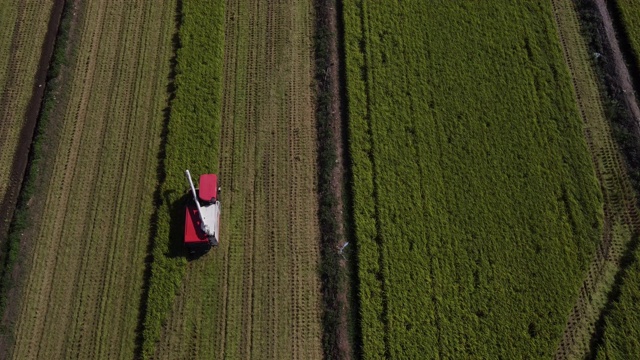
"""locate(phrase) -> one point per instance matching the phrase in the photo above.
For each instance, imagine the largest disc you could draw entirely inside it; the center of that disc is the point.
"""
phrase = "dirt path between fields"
(21, 158)
(338, 176)
(623, 77)
(337, 295)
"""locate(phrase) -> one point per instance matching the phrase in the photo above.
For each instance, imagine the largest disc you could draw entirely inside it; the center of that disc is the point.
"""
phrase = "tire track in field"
(621, 217)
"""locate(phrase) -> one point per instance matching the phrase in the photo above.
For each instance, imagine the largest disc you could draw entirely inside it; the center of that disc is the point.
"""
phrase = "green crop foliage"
(628, 12)
(476, 205)
(192, 138)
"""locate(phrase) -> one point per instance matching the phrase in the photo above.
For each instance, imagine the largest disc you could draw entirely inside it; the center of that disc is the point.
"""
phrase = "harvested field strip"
(477, 209)
(81, 294)
(23, 25)
(257, 294)
(621, 222)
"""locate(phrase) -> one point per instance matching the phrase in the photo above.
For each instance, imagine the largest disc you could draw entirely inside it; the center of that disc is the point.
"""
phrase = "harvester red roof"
(208, 187)
(192, 231)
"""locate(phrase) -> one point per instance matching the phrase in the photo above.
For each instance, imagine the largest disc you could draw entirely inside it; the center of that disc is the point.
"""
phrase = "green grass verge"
(476, 205)
(191, 142)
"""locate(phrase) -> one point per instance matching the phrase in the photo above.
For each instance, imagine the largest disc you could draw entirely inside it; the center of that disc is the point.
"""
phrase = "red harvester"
(202, 221)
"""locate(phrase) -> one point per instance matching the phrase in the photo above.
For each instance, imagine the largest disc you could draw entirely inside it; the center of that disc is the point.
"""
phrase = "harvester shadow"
(176, 223)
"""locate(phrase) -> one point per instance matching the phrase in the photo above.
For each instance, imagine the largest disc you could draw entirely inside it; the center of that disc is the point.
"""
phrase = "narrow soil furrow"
(336, 287)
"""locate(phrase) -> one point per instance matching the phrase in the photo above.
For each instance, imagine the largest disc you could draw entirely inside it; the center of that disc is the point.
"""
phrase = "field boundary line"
(337, 261)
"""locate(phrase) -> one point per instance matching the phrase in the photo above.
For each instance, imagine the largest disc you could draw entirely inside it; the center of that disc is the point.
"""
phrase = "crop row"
(475, 201)
(191, 142)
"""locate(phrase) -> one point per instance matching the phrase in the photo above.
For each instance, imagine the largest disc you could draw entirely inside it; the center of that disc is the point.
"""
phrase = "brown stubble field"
(84, 271)
(23, 61)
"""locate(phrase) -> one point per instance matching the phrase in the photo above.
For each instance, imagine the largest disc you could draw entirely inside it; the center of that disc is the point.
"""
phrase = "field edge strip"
(57, 58)
(373, 336)
(626, 134)
(590, 97)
